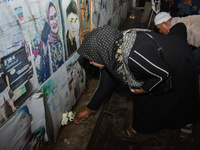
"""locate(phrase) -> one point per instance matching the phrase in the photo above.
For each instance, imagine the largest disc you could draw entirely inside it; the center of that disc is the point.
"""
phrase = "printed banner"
(63, 89)
(26, 128)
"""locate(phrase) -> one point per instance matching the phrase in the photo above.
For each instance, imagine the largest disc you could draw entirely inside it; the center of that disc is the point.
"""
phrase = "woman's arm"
(105, 87)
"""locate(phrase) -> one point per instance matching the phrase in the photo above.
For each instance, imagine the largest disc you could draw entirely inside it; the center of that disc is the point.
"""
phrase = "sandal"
(130, 131)
(186, 133)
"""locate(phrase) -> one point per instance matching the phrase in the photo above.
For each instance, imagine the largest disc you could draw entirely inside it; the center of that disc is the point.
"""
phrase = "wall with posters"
(38, 55)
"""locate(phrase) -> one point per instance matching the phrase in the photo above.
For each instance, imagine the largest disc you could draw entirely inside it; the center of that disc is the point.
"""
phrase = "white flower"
(64, 121)
(71, 116)
(65, 115)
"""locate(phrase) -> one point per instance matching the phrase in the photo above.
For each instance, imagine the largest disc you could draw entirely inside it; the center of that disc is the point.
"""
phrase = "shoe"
(186, 133)
(130, 131)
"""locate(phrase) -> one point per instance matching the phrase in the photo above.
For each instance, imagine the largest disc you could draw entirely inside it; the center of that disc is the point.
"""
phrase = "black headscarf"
(98, 45)
(110, 47)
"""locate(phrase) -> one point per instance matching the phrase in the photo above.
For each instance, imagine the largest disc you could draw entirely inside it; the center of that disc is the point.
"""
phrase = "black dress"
(174, 109)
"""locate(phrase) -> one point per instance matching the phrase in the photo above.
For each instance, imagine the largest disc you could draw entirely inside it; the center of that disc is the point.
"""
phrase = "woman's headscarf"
(110, 47)
(53, 38)
(98, 45)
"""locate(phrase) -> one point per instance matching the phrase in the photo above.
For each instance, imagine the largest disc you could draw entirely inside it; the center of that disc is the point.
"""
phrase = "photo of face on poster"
(86, 21)
(72, 25)
(54, 41)
(45, 38)
(51, 45)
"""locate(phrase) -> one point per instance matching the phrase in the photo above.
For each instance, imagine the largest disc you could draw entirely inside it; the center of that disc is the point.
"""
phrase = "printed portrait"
(72, 25)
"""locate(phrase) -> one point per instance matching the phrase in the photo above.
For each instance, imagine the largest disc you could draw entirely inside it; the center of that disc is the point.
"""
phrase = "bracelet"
(91, 111)
(143, 90)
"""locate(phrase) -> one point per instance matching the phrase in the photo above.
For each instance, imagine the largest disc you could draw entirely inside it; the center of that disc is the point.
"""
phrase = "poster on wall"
(21, 8)
(71, 23)
(16, 70)
(46, 39)
(51, 90)
(26, 128)
(61, 92)
(76, 80)
(55, 92)
(85, 7)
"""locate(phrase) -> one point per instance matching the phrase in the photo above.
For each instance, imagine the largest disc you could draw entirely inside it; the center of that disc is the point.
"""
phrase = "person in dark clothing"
(188, 7)
(169, 6)
(126, 58)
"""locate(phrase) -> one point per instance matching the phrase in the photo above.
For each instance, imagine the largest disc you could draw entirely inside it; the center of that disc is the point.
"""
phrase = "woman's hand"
(139, 91)
(84, 114)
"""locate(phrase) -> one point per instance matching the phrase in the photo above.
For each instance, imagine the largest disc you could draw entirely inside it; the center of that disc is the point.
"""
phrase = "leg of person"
(3, 112)
(9, 100)
(2, 109)
(186, 133)
(11, 104)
